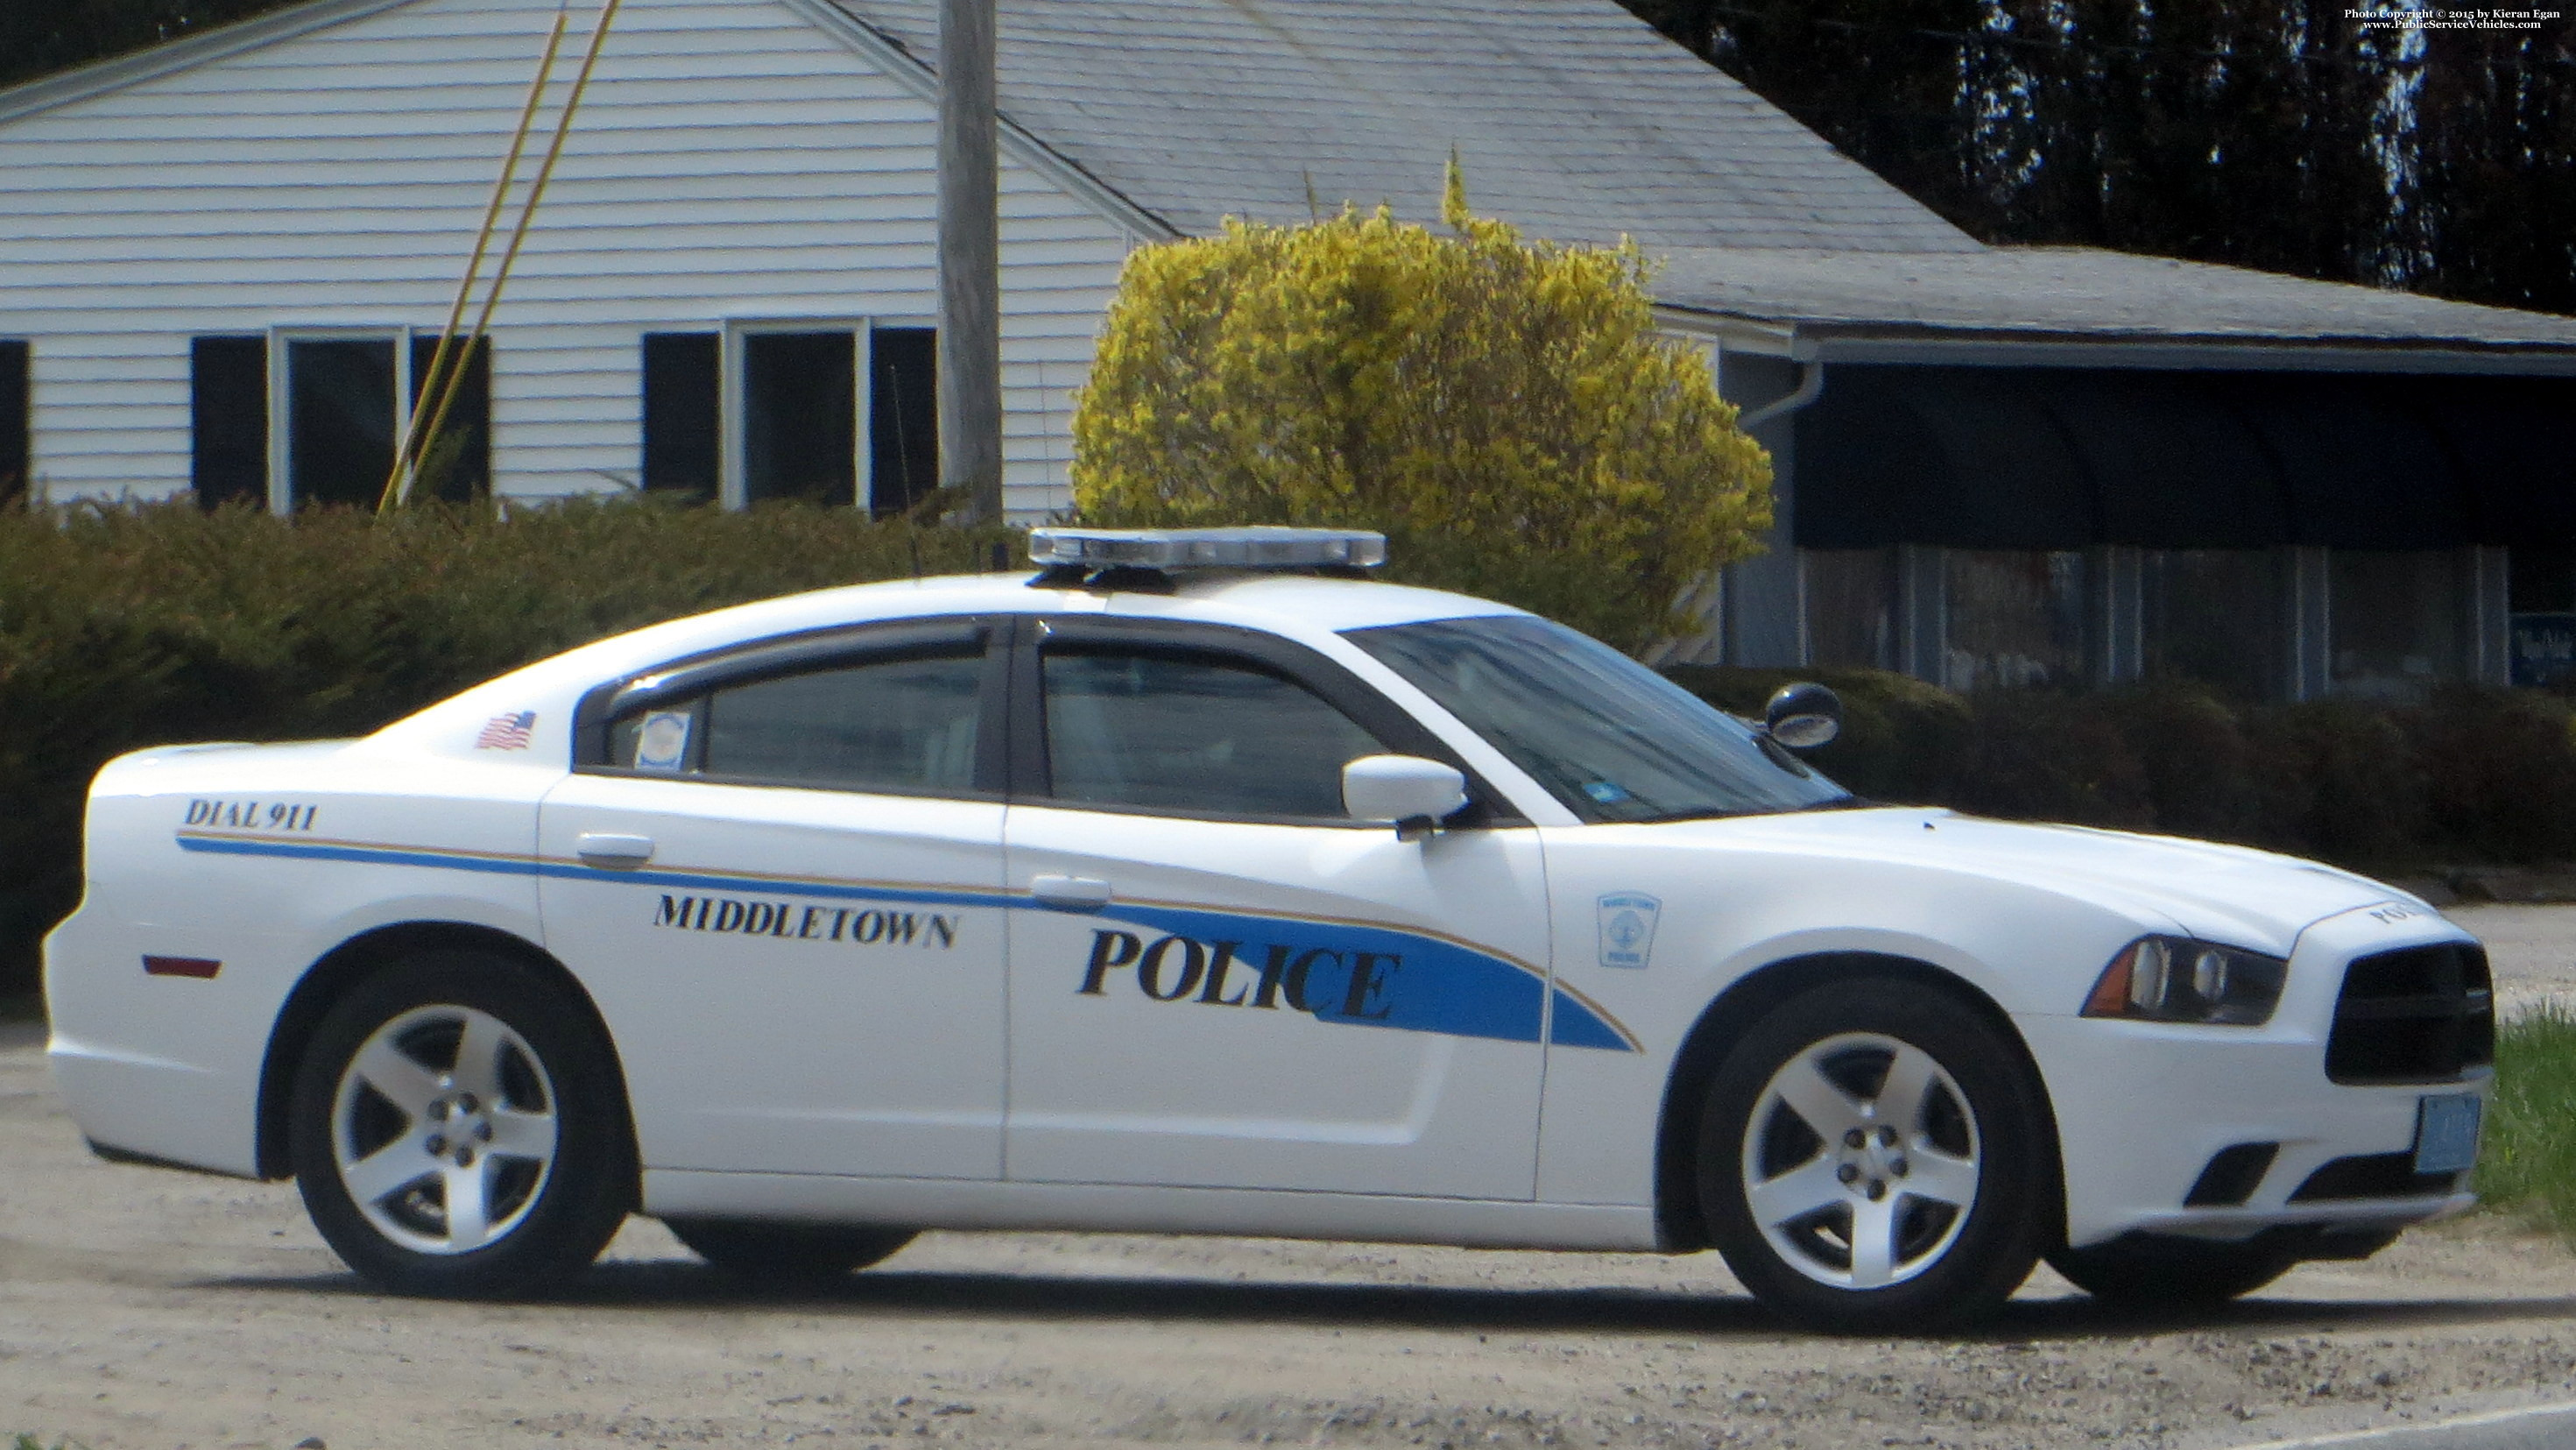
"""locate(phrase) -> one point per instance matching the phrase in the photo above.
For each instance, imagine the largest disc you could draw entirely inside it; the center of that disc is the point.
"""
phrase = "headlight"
(2176, 979)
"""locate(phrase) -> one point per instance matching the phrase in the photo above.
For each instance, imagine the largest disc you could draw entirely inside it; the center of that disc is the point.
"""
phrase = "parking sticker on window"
(663, 742)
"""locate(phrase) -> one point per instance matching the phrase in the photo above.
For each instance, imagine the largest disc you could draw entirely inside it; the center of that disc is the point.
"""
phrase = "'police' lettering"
(1174, 965)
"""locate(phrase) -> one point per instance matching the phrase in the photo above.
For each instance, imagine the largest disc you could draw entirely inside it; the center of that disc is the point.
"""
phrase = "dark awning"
(2032, 458)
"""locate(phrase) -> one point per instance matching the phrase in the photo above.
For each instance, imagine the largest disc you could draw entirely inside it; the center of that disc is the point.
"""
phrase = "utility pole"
(970, 286)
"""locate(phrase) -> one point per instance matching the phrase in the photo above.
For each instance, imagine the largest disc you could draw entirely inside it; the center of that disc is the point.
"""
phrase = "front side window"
(1193, 732)
(905, 724)
(1611, 739)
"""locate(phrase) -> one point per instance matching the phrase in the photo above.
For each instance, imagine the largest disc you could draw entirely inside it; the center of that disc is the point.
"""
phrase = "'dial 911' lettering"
(250, 815)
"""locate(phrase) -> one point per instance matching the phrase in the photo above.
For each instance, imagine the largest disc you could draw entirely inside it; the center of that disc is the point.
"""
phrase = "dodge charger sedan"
(1197, 883)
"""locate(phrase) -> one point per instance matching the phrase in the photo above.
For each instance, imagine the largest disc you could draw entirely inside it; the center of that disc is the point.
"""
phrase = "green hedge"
(123, 628)
(2472, 775)
(126, 628)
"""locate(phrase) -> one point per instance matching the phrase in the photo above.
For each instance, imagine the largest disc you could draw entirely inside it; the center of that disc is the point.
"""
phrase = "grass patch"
(2528, 1162)
(26, 1441)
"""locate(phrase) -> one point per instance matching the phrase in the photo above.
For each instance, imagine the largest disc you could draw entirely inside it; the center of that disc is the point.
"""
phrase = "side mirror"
(1803, 716)
(1412, 792)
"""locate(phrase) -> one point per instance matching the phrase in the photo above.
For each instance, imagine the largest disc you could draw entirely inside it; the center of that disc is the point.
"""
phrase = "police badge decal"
(1628, 928)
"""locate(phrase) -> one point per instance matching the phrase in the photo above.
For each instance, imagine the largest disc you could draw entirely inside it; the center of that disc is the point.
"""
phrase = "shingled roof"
(1572, 118)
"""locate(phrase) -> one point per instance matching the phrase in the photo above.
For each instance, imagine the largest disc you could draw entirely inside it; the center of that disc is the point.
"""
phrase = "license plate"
(2446, 1132)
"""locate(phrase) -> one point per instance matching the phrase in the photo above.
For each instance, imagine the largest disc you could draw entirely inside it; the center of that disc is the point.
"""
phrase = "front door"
(781, 884)
(1221, 980)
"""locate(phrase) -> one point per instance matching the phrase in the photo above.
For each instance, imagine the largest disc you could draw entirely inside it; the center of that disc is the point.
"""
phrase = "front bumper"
(2142, 1108)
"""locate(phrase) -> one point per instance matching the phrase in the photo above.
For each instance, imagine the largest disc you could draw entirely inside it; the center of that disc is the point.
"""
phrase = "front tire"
(1873, 1158)
(459, 1129)
(2157, 1271)
(787, 1253)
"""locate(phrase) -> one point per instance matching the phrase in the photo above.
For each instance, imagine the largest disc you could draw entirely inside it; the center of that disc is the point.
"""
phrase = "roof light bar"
(1250, 547)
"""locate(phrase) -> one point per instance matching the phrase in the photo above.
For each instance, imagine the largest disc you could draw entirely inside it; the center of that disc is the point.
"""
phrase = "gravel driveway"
(141, 1308)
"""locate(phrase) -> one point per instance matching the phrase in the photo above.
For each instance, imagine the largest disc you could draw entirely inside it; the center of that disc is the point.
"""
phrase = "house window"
(793, 410)
(336, 415)
(903, 417)
(228, 420)
(2398, 620)
(2216, 617)
(799, 416)
(2016, 618)
(17, 464)
(683, 415)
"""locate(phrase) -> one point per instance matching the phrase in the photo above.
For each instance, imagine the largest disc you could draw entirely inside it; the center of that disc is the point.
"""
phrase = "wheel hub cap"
(1861, 1161)
(444, 1129)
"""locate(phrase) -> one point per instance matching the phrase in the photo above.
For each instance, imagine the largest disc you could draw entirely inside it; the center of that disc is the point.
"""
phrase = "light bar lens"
(1259, 547)
(2176, 979)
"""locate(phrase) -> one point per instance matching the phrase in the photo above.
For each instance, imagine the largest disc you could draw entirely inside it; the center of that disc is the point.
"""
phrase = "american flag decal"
(507, 732)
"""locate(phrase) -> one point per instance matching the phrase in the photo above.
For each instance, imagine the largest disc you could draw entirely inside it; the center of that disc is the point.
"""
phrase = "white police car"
(1171, 890)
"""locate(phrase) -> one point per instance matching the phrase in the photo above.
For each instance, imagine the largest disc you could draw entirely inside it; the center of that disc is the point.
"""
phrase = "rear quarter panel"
(260, 859)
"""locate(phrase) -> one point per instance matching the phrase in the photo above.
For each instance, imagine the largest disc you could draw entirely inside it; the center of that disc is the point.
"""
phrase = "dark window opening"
(1194, 733)
(339, 419)
(900, 724)
(683, 419)
(456, 466)
(228, 420)
(903, 417)
(799, 417)
(16, 456)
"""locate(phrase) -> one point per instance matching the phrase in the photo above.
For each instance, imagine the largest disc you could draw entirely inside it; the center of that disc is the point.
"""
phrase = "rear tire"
(459, 1129)
(1874, 1159)
(787, 1253)
(2151, 1271)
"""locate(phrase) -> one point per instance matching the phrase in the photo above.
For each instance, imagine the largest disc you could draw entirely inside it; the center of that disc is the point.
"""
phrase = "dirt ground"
(141, 1308)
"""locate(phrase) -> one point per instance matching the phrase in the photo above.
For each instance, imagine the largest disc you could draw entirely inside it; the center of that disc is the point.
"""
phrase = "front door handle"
(610, 851)
(1072, 893)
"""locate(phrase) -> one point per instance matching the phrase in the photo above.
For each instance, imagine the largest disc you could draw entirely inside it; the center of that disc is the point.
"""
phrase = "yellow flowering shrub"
(1506, 411)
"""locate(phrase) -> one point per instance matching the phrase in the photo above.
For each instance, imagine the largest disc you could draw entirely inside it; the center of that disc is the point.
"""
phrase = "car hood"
(2232, 894)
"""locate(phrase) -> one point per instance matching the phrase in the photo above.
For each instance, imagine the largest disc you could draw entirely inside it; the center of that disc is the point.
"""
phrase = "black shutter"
(228, 420)
(682, 424)
(15, 465)
(458, 466)
(903, 416)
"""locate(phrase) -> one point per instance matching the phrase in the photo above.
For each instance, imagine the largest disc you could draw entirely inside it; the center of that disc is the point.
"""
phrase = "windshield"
(1607, 736)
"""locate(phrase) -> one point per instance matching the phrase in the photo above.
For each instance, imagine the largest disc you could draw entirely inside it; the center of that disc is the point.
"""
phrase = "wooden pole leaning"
(519, 234)
(396, 483)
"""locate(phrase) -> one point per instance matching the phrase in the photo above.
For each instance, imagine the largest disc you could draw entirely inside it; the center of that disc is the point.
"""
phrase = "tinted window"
(1610, 738)
(1194, 733)
(895, 724)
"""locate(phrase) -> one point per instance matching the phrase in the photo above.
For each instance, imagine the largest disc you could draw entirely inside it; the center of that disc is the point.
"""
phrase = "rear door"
(1223, 981)
(778, 872)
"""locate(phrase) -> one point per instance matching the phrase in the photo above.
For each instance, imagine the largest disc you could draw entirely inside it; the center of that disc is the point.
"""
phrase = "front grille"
(2373, 1175)
(2420, 1014)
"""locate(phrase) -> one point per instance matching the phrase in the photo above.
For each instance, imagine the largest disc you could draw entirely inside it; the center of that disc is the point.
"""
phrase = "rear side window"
(1193, 732)
(906, 723)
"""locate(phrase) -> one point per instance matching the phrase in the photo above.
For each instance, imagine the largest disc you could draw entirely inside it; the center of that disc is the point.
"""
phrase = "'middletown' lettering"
(1173, 967)
(791, 921)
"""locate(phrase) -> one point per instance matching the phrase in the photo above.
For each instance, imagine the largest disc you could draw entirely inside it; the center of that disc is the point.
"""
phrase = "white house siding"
(731, 161)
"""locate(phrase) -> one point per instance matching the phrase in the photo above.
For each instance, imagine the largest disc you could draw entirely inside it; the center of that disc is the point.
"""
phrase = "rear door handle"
(610, 851)
(1072, 893)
